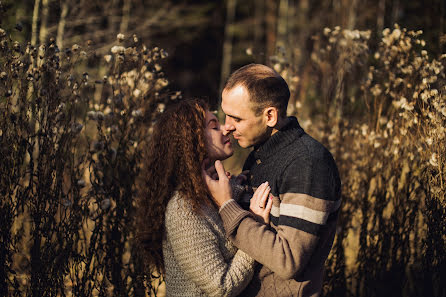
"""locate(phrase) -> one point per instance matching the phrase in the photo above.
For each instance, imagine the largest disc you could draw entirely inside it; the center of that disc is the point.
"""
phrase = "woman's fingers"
(268, 207)
(258, 192)
(260, 204)
(260, 195)
(264, 197)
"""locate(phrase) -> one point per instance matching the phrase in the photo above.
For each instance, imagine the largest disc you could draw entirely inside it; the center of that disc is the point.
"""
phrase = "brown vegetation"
(383, 115)
(70, 156)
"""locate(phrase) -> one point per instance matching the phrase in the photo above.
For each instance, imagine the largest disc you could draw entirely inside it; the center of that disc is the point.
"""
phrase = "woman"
(190, 248)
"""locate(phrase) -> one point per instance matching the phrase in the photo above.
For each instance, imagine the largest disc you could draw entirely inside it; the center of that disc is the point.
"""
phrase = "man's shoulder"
(305, 149)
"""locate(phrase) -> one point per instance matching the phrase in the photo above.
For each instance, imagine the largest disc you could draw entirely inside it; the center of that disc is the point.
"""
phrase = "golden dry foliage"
(383, 115)
(70, 148)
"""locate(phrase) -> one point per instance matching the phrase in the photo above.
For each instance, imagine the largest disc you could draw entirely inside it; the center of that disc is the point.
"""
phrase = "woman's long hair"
(171, 162)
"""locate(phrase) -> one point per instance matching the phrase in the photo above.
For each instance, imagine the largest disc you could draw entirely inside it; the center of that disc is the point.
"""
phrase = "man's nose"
(228, 127)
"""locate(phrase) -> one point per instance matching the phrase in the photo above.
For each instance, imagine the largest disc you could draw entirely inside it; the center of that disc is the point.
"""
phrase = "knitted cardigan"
(306, 193)
(199, 260)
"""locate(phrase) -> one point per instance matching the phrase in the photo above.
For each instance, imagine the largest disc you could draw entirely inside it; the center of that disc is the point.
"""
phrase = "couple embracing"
(266, 232)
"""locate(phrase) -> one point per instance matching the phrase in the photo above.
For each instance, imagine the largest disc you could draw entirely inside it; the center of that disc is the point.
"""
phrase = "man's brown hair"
(264, 85)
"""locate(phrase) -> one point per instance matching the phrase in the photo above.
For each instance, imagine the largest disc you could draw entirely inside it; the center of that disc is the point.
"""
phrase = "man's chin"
(243, 144)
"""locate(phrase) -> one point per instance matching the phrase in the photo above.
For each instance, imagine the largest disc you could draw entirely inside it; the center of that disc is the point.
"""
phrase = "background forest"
(81, 83)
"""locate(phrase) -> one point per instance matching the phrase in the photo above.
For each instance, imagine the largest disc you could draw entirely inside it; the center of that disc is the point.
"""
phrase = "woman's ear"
(271, 115)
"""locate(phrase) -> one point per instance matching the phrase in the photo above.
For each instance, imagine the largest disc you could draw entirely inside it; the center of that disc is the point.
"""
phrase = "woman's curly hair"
(171, 162)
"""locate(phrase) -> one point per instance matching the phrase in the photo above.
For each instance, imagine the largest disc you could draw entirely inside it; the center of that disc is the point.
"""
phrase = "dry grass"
(383, 116)
(70, 146)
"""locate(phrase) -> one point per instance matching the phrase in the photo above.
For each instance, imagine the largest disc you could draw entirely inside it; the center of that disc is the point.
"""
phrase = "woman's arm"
(195, 246)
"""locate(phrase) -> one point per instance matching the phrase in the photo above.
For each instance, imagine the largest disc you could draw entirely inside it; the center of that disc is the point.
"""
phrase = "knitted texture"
(305, 185)
(199, 260)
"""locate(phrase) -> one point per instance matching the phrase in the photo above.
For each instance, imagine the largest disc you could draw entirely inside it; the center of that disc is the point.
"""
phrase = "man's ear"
(271, 115)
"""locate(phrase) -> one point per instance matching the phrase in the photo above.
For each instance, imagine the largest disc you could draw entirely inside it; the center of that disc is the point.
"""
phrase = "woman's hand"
(261, 203)
(218, 186)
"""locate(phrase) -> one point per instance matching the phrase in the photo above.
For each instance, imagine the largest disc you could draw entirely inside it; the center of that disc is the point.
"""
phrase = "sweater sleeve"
(195, 246)
(307, 201)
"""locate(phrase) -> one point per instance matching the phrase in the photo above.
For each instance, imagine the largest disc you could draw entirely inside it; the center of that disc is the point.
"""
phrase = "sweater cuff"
(231, 214)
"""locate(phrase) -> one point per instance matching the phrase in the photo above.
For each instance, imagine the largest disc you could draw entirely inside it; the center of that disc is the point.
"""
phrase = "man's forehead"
(237, 90)
(236, 101)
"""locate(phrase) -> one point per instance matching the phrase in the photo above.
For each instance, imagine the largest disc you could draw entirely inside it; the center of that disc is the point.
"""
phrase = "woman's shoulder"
(180, 206)
(178, 203)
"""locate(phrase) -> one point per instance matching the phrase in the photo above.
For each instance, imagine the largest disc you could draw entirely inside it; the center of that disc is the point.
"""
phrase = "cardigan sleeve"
(195, 247)
(308, 201)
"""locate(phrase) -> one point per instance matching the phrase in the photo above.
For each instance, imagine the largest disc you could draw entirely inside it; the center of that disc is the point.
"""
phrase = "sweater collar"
(280, 139)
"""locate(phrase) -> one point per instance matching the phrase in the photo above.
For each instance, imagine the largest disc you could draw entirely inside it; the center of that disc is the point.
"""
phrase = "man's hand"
(218, 186)
(261, 203)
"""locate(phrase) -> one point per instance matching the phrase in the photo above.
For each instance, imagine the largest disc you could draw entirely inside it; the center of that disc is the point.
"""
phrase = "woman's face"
(219, 146)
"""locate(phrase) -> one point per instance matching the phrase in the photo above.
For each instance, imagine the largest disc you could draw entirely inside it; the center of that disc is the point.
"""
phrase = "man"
(304, 186)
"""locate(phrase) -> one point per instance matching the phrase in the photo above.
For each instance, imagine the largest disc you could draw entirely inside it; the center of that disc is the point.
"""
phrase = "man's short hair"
(265, 87)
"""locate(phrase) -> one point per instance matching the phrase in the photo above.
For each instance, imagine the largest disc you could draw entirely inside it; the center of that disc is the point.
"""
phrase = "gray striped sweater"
(306, 187)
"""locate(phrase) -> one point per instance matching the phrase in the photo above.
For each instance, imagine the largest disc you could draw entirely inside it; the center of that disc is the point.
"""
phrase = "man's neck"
(281, 122)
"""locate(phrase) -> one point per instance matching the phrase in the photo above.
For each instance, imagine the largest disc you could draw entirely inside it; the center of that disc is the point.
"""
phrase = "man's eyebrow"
(234, 117)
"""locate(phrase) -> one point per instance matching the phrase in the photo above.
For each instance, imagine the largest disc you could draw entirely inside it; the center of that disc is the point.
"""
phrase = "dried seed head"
(16, 46)
(66, 203)
(100, 115)
(108, 58)
(120, 37)
(137, 113)
(118, 49)
(81, 183)
(105, 204)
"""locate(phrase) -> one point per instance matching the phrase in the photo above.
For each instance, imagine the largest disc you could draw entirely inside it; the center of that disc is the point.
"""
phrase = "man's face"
(248, 128)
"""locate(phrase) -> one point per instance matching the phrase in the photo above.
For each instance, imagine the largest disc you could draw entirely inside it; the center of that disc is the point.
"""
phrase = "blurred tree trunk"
(61, 24)
(300, 56)
(380, 16)
(441, 40)
(125, 16)
(395, 12)
(282, 24)
(259, 15)
(44, 22)
(34, 23)
(111, 14)
(351, 19)
(227, 44)
(271, 23)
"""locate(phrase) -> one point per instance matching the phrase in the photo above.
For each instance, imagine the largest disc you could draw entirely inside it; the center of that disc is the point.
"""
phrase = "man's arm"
(309, 196)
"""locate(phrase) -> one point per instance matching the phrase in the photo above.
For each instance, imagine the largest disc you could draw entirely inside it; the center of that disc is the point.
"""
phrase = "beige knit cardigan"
(199, 260)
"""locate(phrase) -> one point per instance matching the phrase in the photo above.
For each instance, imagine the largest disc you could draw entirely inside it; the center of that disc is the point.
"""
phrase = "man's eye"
(237, 120)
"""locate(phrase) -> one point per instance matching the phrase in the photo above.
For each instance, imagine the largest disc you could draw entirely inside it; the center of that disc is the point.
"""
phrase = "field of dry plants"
(71, 144)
